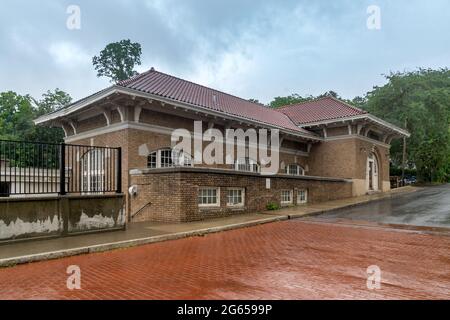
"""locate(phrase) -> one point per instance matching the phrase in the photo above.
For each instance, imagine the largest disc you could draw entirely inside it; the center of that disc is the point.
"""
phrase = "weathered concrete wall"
(27, 218)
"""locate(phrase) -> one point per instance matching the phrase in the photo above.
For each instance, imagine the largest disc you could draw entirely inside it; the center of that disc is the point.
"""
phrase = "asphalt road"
(427, 207)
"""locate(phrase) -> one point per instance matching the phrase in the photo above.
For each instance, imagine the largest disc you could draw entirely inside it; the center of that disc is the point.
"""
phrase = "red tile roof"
(167, 86)
(327, 108)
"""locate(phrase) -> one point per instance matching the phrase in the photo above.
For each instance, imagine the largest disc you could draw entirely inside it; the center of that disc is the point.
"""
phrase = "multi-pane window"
(295, 170)
(181, 159)
(286, 196)
(302, 196)
(235, 197)
(151, 160)
(246, 164)
(208, 197)
(166, 158)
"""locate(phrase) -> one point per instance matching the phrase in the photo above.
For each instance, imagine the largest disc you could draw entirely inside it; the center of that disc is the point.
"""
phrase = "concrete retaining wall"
(26, 218)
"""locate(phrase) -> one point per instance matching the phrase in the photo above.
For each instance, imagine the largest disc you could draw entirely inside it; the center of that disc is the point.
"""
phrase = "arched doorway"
(372, 172)
(93, 171)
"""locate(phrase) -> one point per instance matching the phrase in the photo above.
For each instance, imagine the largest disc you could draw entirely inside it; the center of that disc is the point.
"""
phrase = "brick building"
(328, 148)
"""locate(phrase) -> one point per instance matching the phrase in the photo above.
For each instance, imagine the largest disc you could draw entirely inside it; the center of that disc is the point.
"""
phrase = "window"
(295, 170)
(181, 159)
(286, 197)
(208, 197)
(151, 160)
(246, 164)
(235, 197)
(302, 196)
(166, 158)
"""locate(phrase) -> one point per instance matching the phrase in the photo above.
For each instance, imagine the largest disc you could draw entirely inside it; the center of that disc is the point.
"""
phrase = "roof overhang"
(115, 89)
(365, 117)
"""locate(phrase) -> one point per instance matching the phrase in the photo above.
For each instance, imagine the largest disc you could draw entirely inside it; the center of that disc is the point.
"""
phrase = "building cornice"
(367, 116)
(150, 128)
(187, 106)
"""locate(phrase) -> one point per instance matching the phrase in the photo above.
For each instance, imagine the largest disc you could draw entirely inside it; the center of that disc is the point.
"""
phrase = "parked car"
(409, 180)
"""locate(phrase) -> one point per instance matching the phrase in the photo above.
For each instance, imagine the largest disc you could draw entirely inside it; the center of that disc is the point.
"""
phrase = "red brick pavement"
(284, 260)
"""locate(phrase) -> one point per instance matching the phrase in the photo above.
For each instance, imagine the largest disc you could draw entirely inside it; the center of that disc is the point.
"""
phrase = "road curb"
(174, 236)
(321, 211)
(131, 243)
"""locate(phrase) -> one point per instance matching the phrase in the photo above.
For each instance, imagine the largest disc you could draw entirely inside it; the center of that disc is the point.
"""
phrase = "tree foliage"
(117, 60)
(295, 98)
(17, 113)
(419, 100)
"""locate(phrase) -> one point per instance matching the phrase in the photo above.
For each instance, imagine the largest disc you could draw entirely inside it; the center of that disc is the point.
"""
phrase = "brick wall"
(173, 192)
(343, 158)
(347, 158)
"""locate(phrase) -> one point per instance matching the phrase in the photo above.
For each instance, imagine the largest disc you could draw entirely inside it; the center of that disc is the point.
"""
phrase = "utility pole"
(404, 156)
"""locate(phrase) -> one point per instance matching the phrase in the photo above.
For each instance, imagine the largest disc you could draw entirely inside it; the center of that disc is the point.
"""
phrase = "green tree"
(330, 93)
(16, 116)
(295, 98)
(287, 100)
(117, 60)
(419, 101)
(51, 101)
(254, 101)
(17, 113)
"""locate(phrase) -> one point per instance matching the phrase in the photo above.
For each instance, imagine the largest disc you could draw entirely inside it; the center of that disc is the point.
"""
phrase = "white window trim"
(242, 196)
(306, 196)
(158, 159)
(299, 170)
(210, 205)
(287, 202)
(243, 161)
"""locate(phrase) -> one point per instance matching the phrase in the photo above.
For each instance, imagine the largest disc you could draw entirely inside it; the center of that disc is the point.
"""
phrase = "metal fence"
(45, 168)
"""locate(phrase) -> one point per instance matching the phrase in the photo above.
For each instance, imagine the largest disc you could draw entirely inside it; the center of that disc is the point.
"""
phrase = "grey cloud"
(256, 49)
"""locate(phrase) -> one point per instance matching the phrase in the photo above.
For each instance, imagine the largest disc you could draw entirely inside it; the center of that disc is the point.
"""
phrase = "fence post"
(119, 170)
(62, 169)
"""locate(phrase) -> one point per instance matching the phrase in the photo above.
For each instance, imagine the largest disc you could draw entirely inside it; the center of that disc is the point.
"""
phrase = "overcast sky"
(253, 49)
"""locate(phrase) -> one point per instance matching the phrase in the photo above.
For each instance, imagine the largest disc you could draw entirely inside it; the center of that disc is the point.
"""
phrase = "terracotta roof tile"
(167, 86)
(327, 108)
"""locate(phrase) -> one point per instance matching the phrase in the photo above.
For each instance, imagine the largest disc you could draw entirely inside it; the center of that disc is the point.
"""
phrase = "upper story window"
(295, 170)
(246, 164)
(166, 158)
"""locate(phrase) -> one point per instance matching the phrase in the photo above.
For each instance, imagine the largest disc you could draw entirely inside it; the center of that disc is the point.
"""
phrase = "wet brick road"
(285, 260)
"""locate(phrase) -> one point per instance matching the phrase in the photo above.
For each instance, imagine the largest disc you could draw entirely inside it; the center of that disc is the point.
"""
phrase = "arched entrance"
(372, 172)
